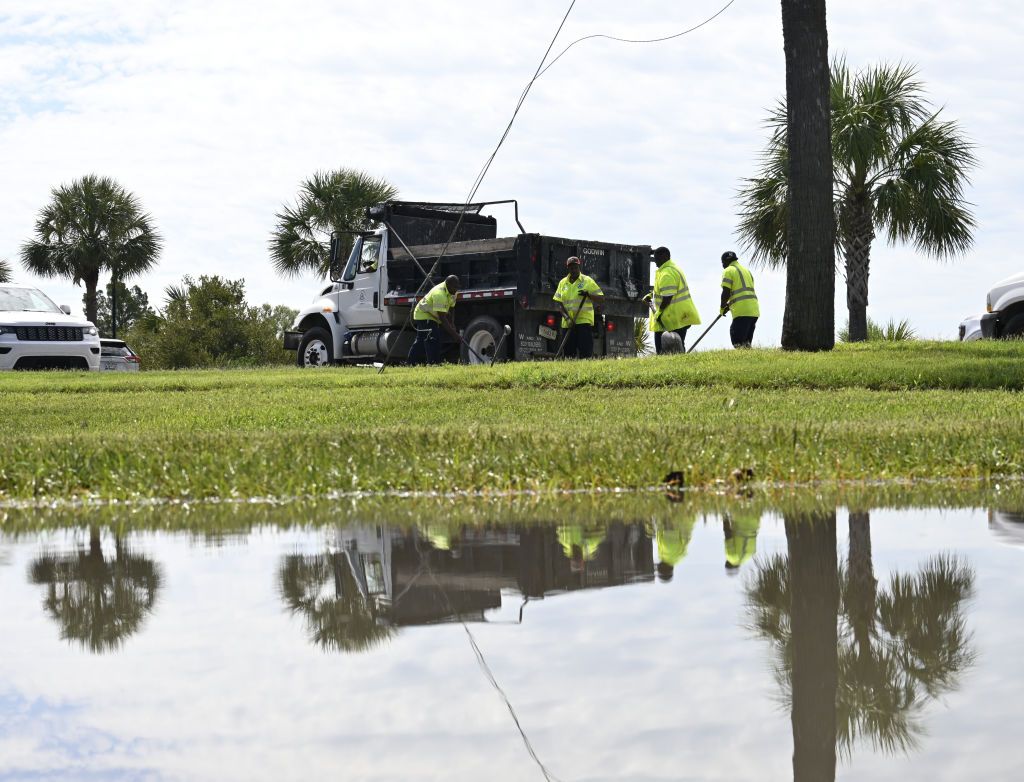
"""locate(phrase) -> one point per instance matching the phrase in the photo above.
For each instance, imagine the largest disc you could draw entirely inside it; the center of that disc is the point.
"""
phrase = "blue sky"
(213, 112)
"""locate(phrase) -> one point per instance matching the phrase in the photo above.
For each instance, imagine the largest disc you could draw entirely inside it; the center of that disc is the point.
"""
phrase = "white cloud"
(213, 112)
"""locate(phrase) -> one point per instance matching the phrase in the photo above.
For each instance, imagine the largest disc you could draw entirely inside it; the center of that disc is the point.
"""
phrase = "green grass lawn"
(901, 410)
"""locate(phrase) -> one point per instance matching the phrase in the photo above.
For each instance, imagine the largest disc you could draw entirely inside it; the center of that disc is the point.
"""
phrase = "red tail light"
(133, 359)
(610, 325)
(551, 320)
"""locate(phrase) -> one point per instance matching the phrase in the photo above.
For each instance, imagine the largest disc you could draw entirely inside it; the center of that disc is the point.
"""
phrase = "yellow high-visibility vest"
(742, 299)
(437, 301)
(568, 293)
(669, 280)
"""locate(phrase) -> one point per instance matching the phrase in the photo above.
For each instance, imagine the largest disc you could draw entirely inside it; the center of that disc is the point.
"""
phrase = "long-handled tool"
(505, 333)
(705, 332)
(470, 349)
(572, 324)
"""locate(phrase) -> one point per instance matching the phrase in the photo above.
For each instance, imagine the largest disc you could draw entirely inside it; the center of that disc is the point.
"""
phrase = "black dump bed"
(527, 266)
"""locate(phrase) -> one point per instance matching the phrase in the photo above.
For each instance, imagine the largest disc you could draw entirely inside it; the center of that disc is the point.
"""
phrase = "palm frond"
(5, 271)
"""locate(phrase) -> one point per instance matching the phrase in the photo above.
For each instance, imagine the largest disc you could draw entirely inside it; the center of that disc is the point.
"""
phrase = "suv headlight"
(8, 330)
(91, 331)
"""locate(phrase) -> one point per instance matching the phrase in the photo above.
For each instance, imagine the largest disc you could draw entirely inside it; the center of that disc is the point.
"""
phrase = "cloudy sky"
(213, 112)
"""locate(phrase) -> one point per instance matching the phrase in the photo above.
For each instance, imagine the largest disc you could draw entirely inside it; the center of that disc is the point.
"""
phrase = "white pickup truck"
(1004, 307)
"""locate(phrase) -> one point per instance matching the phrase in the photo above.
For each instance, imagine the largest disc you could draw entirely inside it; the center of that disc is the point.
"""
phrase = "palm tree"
(91, 226)
(328, 201)
(897, 649)
(339, 617)
(898, 167)
(96, 602)
(5, 271)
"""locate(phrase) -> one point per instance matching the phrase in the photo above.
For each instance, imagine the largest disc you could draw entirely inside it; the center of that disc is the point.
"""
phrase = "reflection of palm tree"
(897, 649)
(98, 602)
(339, 617)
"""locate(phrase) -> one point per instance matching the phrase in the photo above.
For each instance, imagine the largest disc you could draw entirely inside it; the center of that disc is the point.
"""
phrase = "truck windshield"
(363, 260)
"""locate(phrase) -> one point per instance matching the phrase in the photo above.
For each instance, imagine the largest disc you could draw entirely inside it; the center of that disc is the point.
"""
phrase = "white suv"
(37, 334)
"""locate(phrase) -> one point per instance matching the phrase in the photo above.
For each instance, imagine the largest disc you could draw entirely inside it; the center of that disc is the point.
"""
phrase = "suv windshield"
(25, 300)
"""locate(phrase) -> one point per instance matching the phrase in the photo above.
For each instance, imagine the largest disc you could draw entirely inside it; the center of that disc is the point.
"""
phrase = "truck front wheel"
(483, 335)
(315, 348)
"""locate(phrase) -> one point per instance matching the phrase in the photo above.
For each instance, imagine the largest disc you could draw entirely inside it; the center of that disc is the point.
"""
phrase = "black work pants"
(742, 331)
(682, 335)
(427, 347)
(580, 342)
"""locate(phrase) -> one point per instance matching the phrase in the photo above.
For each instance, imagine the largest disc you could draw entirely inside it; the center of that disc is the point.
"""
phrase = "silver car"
(116, 356)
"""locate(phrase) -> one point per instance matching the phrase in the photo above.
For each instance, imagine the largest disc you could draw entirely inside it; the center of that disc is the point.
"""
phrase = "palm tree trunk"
(91, 280)
(814, 615)
(862, 580)
(858, 259)
(809, 319)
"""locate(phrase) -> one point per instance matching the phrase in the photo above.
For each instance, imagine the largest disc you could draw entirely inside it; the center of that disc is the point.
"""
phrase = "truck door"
(360, 299)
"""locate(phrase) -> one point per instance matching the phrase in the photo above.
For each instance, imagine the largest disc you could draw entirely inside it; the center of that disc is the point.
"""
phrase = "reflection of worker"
(673, 540)
(672, 307)
(738, 297)
(740, 539)
(576, 296)
(579, 543)
(433, 313)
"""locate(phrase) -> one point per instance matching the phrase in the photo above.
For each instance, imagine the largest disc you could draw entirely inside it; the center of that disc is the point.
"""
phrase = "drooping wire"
(483, 173)
(710, 19)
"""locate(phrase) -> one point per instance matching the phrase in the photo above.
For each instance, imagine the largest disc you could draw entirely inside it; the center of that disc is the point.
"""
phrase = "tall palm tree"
(323, 589)
(98, 602)
(897, 649)
(808, 322)
(89, 227)
(899, 169)
(328, 201)
(5, 271)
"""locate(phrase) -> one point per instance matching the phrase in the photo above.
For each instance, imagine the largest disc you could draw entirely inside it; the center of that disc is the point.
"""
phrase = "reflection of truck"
(364, 313)
(468, 574)
(1005, 307)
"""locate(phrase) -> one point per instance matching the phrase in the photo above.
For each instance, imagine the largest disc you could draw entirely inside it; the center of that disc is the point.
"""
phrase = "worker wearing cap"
(577, 294)
(739, 298)
(672, 307)
(434, 312)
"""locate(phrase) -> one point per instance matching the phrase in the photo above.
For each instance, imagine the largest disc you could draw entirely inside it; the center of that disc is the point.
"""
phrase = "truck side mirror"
(335, 263)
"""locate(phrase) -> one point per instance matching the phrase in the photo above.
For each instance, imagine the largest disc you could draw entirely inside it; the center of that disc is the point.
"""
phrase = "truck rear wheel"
(483, 335)
(315, 348)
(1015, 328)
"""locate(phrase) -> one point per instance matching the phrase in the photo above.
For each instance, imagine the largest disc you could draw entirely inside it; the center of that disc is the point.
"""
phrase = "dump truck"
(364, 314)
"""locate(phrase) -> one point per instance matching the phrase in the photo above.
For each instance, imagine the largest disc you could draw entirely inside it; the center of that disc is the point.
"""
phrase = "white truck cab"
(1004, 306)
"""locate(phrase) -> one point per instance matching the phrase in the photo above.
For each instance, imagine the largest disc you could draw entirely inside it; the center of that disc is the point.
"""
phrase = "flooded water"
(636, 639)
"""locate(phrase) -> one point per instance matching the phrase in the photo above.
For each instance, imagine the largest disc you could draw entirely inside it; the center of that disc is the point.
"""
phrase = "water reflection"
(96, 601)
(372, 580)
(855, 662)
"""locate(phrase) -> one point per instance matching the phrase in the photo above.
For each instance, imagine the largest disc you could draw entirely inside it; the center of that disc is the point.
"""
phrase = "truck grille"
(50, 334)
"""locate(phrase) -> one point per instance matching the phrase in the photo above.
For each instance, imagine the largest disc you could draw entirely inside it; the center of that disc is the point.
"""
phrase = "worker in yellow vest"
(434, 312)
(577, 295)
(672, 307)
(673, 539)
(739, 298)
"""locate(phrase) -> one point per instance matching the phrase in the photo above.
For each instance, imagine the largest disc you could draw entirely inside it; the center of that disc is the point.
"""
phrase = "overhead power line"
(561, 54)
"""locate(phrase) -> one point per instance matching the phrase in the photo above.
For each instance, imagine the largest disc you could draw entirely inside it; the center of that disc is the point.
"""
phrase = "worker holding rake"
(577, 296)
(672, 307)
